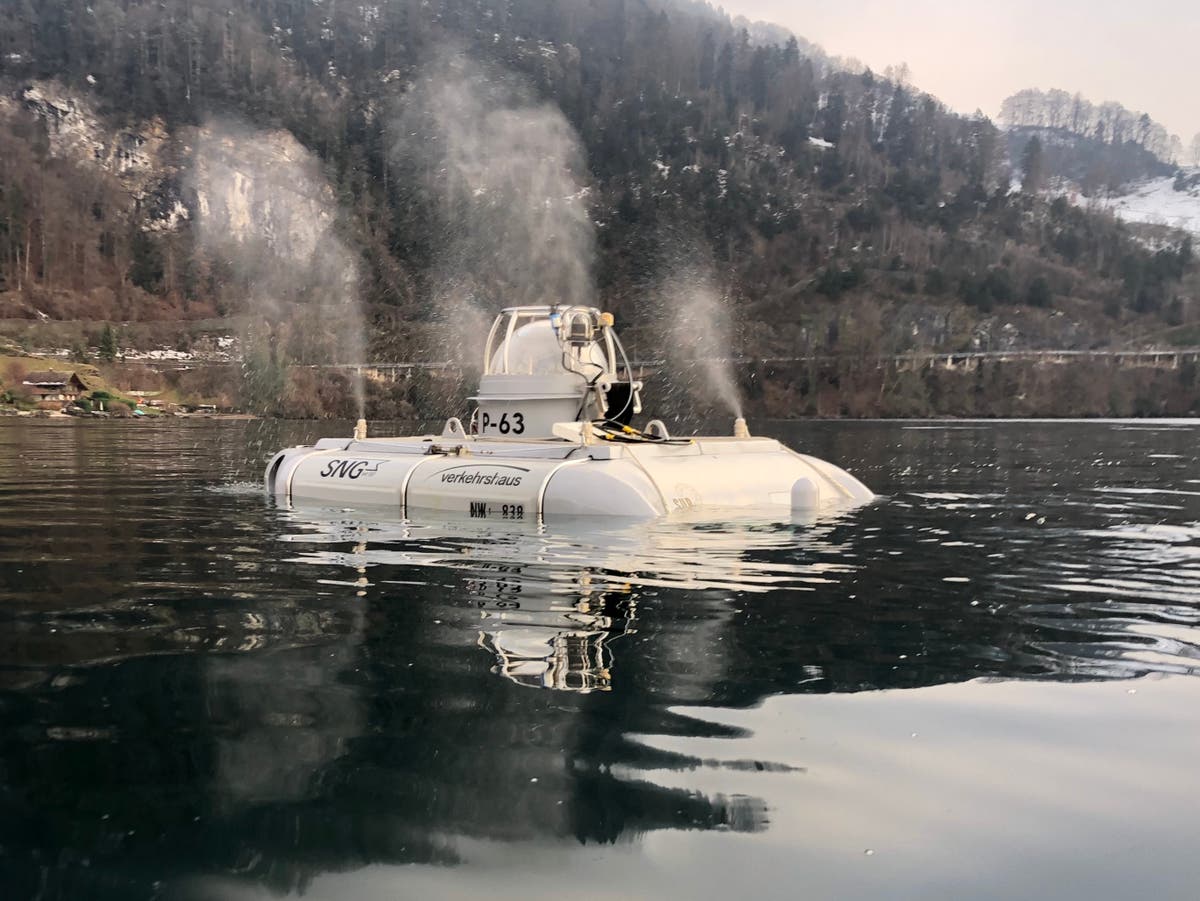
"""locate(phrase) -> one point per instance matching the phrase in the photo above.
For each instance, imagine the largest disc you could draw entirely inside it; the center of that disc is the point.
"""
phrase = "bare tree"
(1024, 108)
(1108, 122)
(1194, 149)
(1058, 108)
(1175, 150)
(1081, 114)
(1143, 127)
(1112, 117)
(900, 73)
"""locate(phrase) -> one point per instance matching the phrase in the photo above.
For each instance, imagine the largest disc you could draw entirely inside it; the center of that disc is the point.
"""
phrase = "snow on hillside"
(1156, 202)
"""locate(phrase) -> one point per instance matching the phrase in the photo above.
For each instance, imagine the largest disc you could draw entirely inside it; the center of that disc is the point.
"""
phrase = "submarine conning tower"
(548, 365)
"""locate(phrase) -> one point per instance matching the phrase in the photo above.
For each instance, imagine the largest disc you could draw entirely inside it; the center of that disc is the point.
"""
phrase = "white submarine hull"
(520, 480)
(550, 436)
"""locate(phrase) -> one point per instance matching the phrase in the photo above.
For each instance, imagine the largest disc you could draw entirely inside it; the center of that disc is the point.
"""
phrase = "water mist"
(696, 330)
(266, 221)
(507, 171)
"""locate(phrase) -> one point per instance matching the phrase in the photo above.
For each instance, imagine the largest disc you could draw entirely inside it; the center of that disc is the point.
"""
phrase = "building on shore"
(54, 388)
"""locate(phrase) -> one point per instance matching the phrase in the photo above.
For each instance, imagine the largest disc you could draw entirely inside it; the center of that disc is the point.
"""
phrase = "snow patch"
(1156, 202)
(821, 143)
(222, 349)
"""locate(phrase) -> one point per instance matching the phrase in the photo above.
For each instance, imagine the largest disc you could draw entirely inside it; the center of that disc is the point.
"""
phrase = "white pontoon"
(551, 435)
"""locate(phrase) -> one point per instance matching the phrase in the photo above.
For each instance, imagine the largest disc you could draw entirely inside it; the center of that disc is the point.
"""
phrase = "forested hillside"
(1102, 148)
(841, 212)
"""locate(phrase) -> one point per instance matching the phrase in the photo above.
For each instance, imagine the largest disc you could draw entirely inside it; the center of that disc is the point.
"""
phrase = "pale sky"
(1144, 54)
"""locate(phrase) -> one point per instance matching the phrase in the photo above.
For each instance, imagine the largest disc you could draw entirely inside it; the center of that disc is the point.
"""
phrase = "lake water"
(982, 686)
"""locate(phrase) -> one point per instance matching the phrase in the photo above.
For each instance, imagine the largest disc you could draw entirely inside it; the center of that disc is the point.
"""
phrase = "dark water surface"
(983, 686)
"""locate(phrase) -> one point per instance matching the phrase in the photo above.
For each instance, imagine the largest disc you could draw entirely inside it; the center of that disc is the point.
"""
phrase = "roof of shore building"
(49, 378)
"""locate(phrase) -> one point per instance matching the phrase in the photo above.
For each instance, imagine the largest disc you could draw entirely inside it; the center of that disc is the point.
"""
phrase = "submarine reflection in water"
(552, 605)
(317, 701)
(556, 641)
(550, 643)
(340, 712)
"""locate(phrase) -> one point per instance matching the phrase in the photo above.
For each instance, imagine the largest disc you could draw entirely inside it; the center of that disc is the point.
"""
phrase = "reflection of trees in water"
(275, 709)
(321, 733)
(276, 719)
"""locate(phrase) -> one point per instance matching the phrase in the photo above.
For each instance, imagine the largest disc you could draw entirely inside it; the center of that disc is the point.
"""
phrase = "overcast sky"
(1145, 54)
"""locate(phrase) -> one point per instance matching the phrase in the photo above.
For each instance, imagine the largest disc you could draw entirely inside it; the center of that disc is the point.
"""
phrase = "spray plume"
(696, 329)
(267, 220)
(506, 170)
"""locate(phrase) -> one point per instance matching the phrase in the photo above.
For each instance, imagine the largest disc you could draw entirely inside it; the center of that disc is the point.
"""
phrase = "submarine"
(550, 435)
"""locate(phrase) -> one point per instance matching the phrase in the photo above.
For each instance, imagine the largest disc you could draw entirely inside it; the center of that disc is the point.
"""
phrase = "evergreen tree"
(724, 74)
(1039, 293)
(834, 116)
(108, 344)
(791, 53)
(1032, 166)
(708, 61)
(759, 78)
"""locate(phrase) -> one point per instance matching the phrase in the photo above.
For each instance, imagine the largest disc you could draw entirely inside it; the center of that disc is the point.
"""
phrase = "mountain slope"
(841, 212)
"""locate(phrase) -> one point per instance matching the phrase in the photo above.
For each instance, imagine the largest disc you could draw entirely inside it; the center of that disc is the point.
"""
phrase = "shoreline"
(90, 417)
(10, 415)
